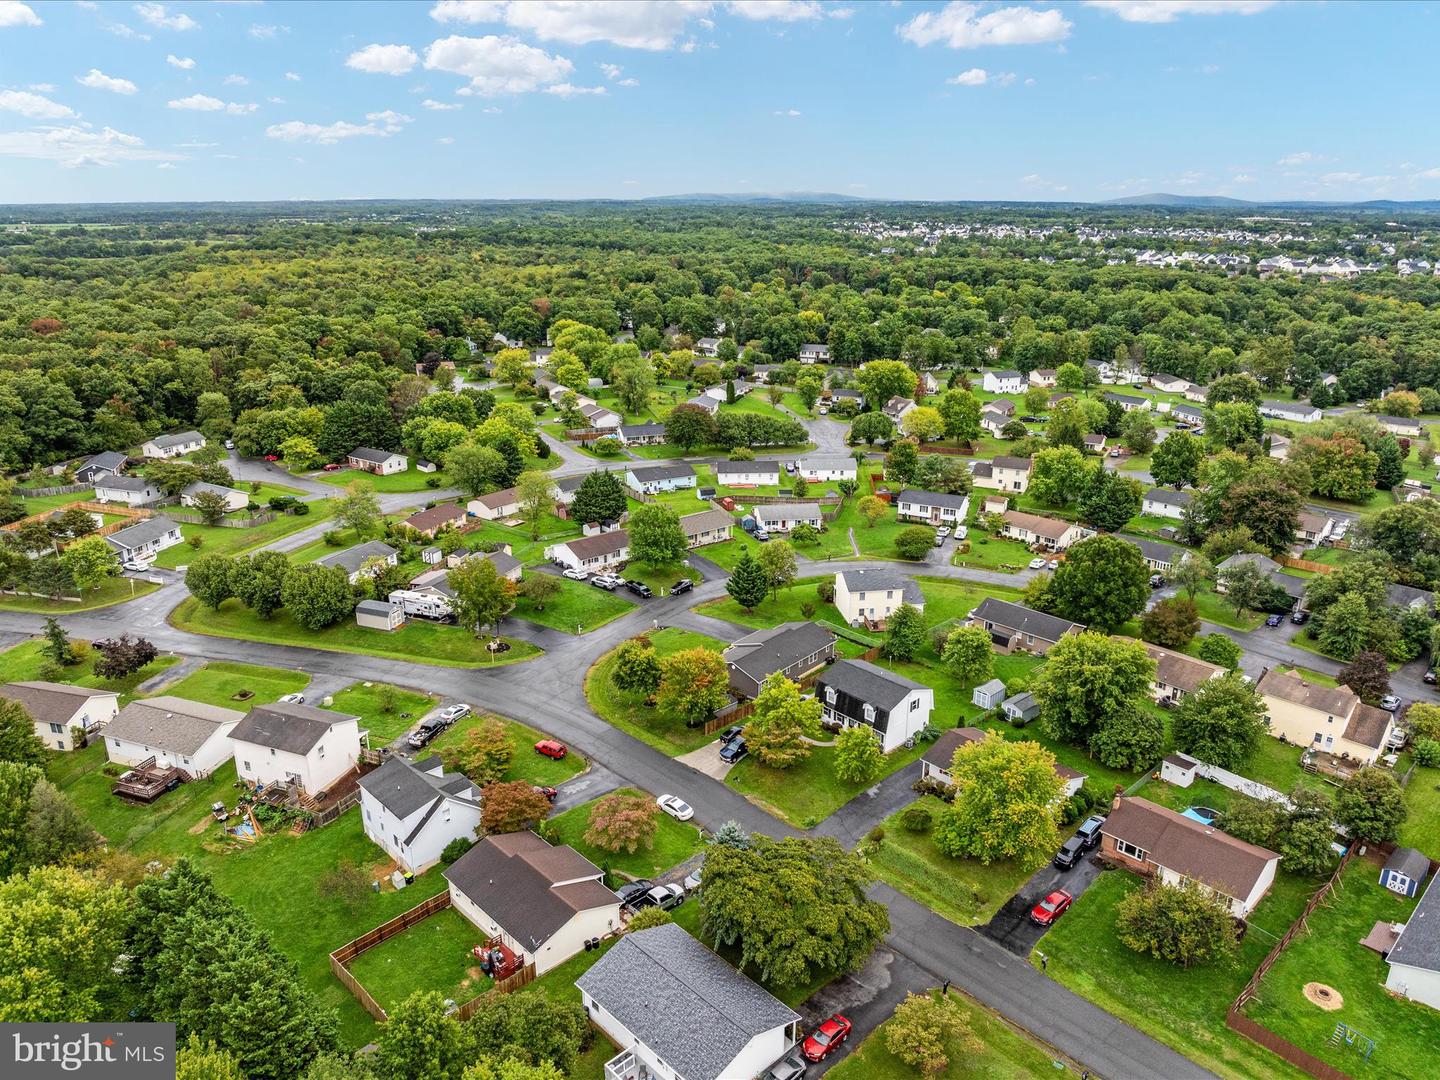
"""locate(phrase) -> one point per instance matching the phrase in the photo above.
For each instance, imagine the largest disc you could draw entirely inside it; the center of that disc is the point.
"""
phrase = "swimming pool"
(1203, 814)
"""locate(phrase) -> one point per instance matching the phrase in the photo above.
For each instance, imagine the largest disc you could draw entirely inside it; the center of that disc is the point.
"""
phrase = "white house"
(641, 434)
(1003, 382)
(1414, 959)
(820, 468)
(933, 507)
(354, 559)
(168, 446)
(738, 474)
(413, 810)
(130, 490)
(707, 346)
(1177, 675)
(542, 902)
(56, 708)
(599, 417)
(897, 407)
(1051, 534)
(855, 692)
(177, 732)
(653, 479)
(1166, 502)
(657, 990)
(1296, 412)
(1169, 384)
(296, 744)
(1129, 402)
(380, 462)
(1042, 377)
(1406, 427)
(235, 499)
(1010, 474)
(144, 539)
(814, 353)
(496, 505)
(873, 595)
(98, 466)
(591, 552)
(706, 527)
(1312, 528)
(993, 421)
(782, 517)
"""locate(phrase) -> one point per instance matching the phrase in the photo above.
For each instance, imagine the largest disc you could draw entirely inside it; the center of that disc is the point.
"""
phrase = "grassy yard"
(43, 504)
(965, 891)
(431, 955)
(364, 700)
(526, 763)
(675, 841)
(528, 551)
(1422, 799)
(23, 663)
(1184, 1008)
(728, 553)
(1406, 1033)
(628, 712)
(1218, 609)
(218, 683)
(558, 984)
(110, 591)
(412, 479)
(990, 552)
(807, 793)
(219, 540)
(577, 604)
(417, 641)
(659, 578)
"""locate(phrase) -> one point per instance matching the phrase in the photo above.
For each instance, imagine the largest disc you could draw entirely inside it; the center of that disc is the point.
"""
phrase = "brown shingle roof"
(1051, 528)
(1368, 726)
(435, 517)
(1200, 852)
(705, 521)
(606, 543)
(49, 702)
(1334, 701)
(942, 751)
(1177, 669)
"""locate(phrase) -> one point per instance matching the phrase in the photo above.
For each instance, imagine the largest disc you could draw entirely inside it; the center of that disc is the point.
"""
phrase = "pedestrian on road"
(945, 990)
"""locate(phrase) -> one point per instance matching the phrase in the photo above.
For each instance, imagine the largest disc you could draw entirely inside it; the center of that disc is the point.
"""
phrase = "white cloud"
(77, 146)
(383, 59)
(1035, 180)
(49, 88)
(628, 82)
(468, 11)
(569, 90)
(1341, 178)
(34, 106)
(165, 165)
(787, 112)
(96, 79)
(14, 13)
(1242, 178)
(156, 15)
(973, 77)
(276, 100)
(492, 111)
(292, 77)
(236, 80)
(961, 26)
(441, 106)
(496, 65)
(325, 134)
(778, 10)
(1302, 157)
(612, 71)
(205, 103)
(390, 120)
(1164, 11)
(266, 31)
(184, 63)
(634, 24)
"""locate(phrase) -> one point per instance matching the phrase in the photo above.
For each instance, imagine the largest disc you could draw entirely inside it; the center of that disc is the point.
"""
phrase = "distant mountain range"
(1224, 202)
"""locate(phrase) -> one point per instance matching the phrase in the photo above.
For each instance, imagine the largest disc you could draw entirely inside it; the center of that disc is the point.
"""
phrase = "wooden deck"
(147, 782)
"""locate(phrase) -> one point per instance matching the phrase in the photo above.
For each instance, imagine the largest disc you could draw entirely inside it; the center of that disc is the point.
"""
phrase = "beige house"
(57, 708)
(1313, 528)
(1334, 720)
(873, 595)
(706, 527)
(1008, 474)
(1051, 534)
(1177, 674)
(496, 505)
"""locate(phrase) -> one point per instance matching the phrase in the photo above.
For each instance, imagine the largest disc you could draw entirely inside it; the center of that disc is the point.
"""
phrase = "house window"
(272, 751)
(322, 750)
(247, 766)
(914, 704)
(56, 729)
(830, 695)
(186, 760)
(869, 714)
(1131, 850)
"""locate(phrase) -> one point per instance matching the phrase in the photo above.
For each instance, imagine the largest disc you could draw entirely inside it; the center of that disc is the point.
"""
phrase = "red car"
(272, 457)
(332, 467)
(1051, 908)
(549, 792)
(826, 1038)
(551, 749)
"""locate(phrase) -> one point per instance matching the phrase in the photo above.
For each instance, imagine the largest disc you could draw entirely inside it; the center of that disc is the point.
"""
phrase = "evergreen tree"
(1391, 471)
(748, 582)
(598, 498)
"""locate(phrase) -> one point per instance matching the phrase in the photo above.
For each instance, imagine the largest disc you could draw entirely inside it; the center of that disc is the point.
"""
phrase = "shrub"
(876, 835)
(455, 848)
(807, 609)
(916, 819)
(826, 592)
(930, 786)
(333, 538)
(645, 918)
(195, 540)
(1184, 925)
(1426, 752)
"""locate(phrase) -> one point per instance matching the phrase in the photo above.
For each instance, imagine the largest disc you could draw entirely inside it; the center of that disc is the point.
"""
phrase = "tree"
(210, 505)
(599, 498)
(693, 685)
(791, 908)
(530, 1027)
(1008, 799)
(482, 597)
(960, 411)
(539, 589)
(512, 366)
(359, 508)
(259, 581)
(55, 831)
(1192, 573)
(1171, 622)
(1133, 740)
(1068, 424)
(1184, 924)
(780, 723)
(731, 834)
(1090, 681)
(1368, 675)
(927, 1030)
(1268, 506)
(1345, 629)
(872, 508)
(122, 656)
(633, 380)
(208, 579)
(748, 582)
(198, 1060)
(90, 562)
(859, 757)
(1059, 475)
(902, 462)
(1305, 842)
(914, 542)
(1109, 500)
(621, 822)
(17, 783)
(1222, 722)
(1340, 467)
(656, 538)
(535, 493)
(1371, 805)
(1390, 465)
(923, 424)
(57, 644)
(420, 1040)
(648, 918)
(18, 742)
(689, 427)
(1103, 582)
(904, 633)
(300, 453)
(777, 560)
(475, 468)
(485, 753)
(1424, 719)
(1137, 431)
(1216, 648)
(319, 596)
(871, 427)
(881, 380)
(969, 655)
(510, 806)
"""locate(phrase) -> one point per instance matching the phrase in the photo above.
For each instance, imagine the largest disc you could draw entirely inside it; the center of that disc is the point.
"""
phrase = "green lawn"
(417, 641)
(218, 683)
(578, 604)
(110, 591)
(990, 552)
(1422, 799)
(363, 700)
(528, 551)
(412, 479)
(1004, 1055)
(808, 792)
(728, 553)
(1406, 1033)
(628, 712)
(219, 540)
(526, 763)
(1184, 1008)
(1218, 609)
(431, 955)
(23, 663)
(660, 578)
(675, 841)
(558, 984)
(45, 503)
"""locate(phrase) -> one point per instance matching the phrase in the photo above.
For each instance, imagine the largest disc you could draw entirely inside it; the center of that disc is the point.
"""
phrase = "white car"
(454, 712)
(574, 573)
(692, 880)
(293, 699)
(229, 444)
(1037, 564)
(962, 531)
(135, 566)
(943, 531)
(1053, 564)
(676, 807)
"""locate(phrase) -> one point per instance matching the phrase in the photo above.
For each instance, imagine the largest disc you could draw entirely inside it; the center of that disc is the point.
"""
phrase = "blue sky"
(489, 99)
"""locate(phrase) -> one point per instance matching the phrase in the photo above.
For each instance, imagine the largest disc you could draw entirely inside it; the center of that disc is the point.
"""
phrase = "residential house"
(1008, 474)
(1294, 587)
(1279, 447)
(1166, 503)
(1414, 959)
(1188, 416)
(988, 695)
(497, 505)
(993, 421)
(591, 553)
(855, 693)
(653, 479)
(99, 466)
(1196, 393)
(1295, 412)
(286, 743)
(1155, 841)
(1094, 443)
(1043, 377)
(145, 539)
(414, 809)
(380, 615)
(130, 490)
(361, 560)
(234, 498)
(1161, 558)
(707, 346)
(1050, 534)
(782, 517)
(995, 504)
(1405, 427)
(177, 732)
(380, 462)
(897, 407)
(1405, 871)
(706, 402)
(169, 446)
(1407, 596)
(1002, 405)
(793, 648)
(429, 522)
(1313, 528)
(940, 758)
(871, 596)
(845, 393)
(706, 527)
(1169, 384)
(1332, 719)
(598, 417)
(1015, 627)
(929, 383)
(1177, 674)
(676, 1010)
(1055, 399)
(813, 353)
(58, 708)
(745, 474)
(721, 391)
(933, 507)
(542, 902)
(1128, 402)
(821, 468)
(1003, 382)
(1327, 379)
(641, 434)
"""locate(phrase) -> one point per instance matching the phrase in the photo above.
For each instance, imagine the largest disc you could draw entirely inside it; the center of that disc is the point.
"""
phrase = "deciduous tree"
(656, 538)
(1089, 682)
(1371, 805)
(1368, 675)
(777, 729)
(904, 633)
(1222, 722)
(1171, 622)
(693, 685)
(969, 654)
(623, 822)
(914, 542)
(90, 562)
(777, 560)
(858, 755)
(1184, 924)
(1103, 582)
(509, 806)
(482, 597)
(1008, 799)
(927, 1031)
(318, 596)
(18, 742)
(535, 493)
(208, 579)
(485, 752)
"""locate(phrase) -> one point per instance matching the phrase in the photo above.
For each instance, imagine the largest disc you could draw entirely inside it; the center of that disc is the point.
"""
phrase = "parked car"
(692, 879)
(551, 748)
(631, 889)
(603, 581)
(1300, 617)
(1157, 581)
(730, 733)
(640, 589)
(574, 573)
(1089, 830)
(1274, 620)
(1117, 452)
(943, 531)
(1430, 676)
(824, 1039)
(962, 531)
(1397, 739)
(1070, 853)
(734, 750)
(272, 457)
(332, 467)
(427, 731)
(229, 444)
(549, 792)
(762, 536)
(135, 566)
(666, 897)
(1051, 908)
(791, 1067)
(676, 807)
(1053, 564)
(1389, 703)
(1037, 564)
(451, 713)
(939, 540)
(684, 585)
(293, 699)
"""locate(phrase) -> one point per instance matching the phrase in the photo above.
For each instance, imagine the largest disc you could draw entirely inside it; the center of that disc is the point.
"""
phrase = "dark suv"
(632, 891)
(1070, 853)
(684, 585)
(1089, 831)
(639, 588)
(427, 730)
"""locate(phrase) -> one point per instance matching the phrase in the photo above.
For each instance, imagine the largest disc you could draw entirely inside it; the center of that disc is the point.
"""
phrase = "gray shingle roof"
(403, 787)
(636, 431)
(170, 723)
(1024, 620)
(766, 651)
(286, 726)
(51, 702)
(1419, 944)
(871, 684)
(180, 438)
(113, 460)
(142, 533)
(787, 512)
(682, 1001)
(870, 580)
(722, 467)
(931, 498)
(369, 453)
(219, 489)
(375, 607)
(1155, 551)
(1413, 864)
(646, 473)
(1169, 496)
(124, 483)
(353, 558)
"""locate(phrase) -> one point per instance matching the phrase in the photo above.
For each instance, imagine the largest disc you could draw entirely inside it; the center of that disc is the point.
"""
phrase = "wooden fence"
(262, 518)
(131, 514)
(46, 492)
(1306, 564)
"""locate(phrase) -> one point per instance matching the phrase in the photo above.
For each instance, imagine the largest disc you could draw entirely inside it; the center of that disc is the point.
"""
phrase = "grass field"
(675, 841)
(431, 955)
(577, 604)
(628, 712)
(528, 551)
(660, 578)
(44, 503)
(1218, 609)
(418, 641)
(219, 540)
(110, 591)
(364, 700)
(23, 663)
(219, 681)
(1421, 828)
(526, 764)
(808, 792)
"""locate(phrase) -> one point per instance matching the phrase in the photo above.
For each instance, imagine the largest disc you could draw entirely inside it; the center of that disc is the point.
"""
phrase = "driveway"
(1011, 927)
(707, 760)
(867, 998)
